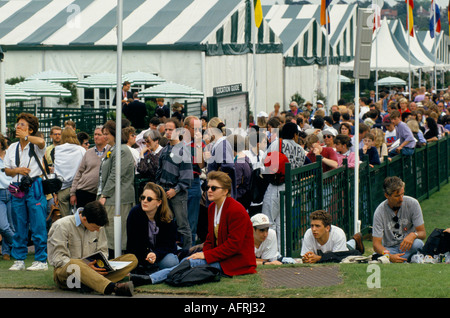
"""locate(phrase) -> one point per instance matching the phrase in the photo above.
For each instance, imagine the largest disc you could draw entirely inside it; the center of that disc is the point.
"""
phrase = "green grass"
(396, 280)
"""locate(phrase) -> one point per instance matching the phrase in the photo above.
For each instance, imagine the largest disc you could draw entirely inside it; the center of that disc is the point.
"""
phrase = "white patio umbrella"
(13, 93)
(344, 79)
(40, 89)
(54, 77)
(391, 81)
(143, 78)
(101, 80)
(171, 90)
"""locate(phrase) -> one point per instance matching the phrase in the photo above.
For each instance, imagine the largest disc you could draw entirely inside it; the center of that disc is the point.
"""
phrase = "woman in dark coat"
(152, 231)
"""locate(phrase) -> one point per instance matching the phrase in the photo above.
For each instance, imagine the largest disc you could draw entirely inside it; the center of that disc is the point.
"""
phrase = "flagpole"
(117, 217)
(409, 49)
(328, 62)
(435, 55)
(254, 30)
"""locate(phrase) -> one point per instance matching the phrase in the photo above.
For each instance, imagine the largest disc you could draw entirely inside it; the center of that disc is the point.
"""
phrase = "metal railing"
(308, 189)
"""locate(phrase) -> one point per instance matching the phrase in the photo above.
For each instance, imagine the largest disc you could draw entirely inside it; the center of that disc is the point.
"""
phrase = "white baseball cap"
(260, 221)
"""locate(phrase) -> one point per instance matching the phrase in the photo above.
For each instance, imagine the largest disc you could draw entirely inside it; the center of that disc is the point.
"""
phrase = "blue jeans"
(405, 151)
(161, 276)
(30, 212)
(194, 197)
(418, 244)
(6, 228)
(170, 260)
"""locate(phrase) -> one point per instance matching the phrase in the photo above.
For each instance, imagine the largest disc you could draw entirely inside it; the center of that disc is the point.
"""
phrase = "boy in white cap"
(266, 247)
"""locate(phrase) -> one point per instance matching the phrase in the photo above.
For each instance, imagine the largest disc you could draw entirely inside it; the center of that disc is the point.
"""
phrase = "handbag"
(16, 191)
(49, 185)
(55, 213)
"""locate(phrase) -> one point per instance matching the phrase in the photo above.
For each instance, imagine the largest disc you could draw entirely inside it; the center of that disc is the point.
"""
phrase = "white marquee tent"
(201, 43)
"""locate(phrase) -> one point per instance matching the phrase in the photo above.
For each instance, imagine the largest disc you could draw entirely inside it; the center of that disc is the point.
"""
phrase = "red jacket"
(235, 250)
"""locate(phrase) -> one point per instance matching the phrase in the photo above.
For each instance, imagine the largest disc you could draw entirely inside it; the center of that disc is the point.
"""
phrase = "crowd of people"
(211, 194)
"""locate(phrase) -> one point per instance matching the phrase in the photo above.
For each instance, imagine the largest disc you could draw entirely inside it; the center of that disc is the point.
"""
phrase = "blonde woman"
(379, 143)
(68, 156)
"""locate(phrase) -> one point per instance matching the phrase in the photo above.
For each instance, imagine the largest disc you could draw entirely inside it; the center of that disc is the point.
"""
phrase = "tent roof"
(303, 38)
(146, 23)
(391, 55)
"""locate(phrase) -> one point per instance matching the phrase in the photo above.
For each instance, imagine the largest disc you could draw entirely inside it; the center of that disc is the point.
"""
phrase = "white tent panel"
(85, 19)
(134, 21)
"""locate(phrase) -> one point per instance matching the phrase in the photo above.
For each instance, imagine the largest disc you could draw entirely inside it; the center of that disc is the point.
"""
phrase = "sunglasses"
(149, 199)
(397, 225)
(327, 136)
(213, 188)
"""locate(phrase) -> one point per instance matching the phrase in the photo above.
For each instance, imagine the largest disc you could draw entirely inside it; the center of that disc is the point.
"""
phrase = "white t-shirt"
(337, 242)
(268, 250)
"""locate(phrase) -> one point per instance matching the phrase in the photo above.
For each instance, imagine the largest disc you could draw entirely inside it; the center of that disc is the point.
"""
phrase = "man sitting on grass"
(265, 238)
(398, 226)
(325, 242)
(74, 237)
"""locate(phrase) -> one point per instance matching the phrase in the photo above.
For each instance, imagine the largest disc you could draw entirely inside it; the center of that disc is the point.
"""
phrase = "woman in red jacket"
(229, 243)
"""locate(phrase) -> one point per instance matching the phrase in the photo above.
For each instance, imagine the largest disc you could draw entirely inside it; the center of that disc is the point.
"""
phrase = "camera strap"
(18, 156)
(33, 154)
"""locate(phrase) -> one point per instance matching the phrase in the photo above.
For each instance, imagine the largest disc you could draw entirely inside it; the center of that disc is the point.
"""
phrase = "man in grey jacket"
(77, 236)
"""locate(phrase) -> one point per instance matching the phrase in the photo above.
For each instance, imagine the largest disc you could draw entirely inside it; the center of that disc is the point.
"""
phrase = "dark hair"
(343, 140)
(155, 121)
(432, 126)
(318, 122)
(321, 215)
(3, 142)
(95, 213)
(336, 116)
(289, 131)
(82, 136)
(33, 122)
(110, 125)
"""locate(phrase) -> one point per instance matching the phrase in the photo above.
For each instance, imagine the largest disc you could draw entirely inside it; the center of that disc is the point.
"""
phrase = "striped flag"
(448, 13)
(435, 19)
(410, 18)
(376, 14)
(258, 12)
(324, 16)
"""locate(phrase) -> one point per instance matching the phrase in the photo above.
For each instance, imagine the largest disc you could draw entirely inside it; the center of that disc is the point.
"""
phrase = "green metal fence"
(309, 189)
(86, 119)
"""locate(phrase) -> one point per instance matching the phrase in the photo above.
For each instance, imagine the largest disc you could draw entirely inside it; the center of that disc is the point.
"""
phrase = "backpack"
(437, 243)
(275, 162)
(184, 275)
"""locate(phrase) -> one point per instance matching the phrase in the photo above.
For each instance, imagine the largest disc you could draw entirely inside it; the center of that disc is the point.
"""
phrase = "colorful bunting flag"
(435, 19)
(324, 16)
(410, 17)
(258, 12)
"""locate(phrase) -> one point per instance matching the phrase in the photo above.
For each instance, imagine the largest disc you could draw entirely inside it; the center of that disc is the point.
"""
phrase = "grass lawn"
(395, 280)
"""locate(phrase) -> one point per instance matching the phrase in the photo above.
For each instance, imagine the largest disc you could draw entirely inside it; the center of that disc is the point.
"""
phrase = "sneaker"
(38, 266)
(18, 266)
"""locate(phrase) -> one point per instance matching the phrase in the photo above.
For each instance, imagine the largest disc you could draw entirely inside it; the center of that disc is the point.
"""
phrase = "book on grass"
(102, 262)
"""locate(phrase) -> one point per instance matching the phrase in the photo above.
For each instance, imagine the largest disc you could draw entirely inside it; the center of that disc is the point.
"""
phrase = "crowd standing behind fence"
(306, 141)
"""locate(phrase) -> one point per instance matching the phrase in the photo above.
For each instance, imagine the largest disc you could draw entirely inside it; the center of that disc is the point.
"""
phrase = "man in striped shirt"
(175, 175)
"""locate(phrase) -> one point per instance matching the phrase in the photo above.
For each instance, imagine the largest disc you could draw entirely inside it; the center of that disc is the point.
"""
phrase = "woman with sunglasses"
(229, 243)
(152, 232)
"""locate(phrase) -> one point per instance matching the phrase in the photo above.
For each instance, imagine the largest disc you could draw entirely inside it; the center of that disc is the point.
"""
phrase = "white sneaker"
(18, 266)
(38, 266)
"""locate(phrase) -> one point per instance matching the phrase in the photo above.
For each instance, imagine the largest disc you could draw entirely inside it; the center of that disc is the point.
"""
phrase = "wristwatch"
(26, 138)
(417, 234)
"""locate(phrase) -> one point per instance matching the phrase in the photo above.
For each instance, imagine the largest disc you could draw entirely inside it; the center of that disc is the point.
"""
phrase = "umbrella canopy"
(38, 88)
(344, 79)
(171, 90)
(142, 78)
(391, 81)
(101, 80)
(54, 77)
(13, 93)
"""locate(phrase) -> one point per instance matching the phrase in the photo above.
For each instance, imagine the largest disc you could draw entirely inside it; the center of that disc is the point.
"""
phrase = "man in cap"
(265, 238)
